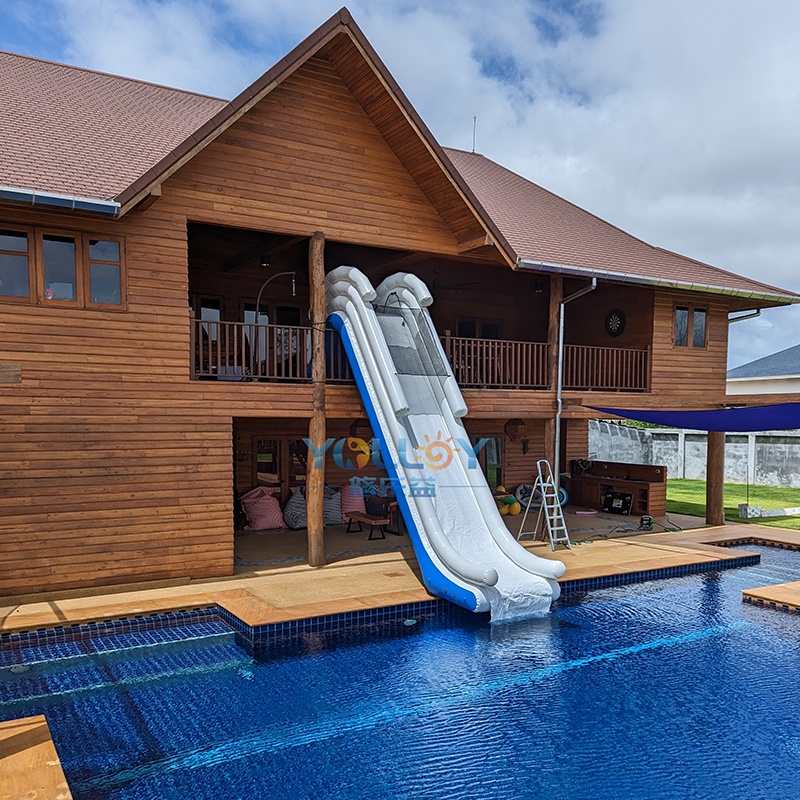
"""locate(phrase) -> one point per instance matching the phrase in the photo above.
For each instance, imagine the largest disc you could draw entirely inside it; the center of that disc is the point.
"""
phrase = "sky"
(675, 120)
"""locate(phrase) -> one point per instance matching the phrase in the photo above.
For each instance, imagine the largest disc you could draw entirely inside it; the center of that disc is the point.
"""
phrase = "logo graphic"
(353, 453)
(436, 454)
(353, 446)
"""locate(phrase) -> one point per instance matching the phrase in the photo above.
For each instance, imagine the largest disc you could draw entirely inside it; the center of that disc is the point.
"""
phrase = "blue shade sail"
(781, 417)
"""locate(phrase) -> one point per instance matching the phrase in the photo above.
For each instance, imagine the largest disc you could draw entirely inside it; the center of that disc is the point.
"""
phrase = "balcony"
(497, 363)
(239, 351)
(606, 369)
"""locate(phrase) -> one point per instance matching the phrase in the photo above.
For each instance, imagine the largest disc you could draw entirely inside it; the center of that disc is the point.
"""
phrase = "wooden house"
(161, 255)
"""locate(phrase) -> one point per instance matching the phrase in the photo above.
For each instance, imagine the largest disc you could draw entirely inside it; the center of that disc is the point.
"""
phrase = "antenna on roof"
(474, 126)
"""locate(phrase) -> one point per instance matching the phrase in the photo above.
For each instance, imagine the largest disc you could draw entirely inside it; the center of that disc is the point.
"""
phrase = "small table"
(372, 521)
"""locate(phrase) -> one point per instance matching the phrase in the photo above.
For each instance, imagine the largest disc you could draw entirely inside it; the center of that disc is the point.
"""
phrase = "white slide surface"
(466, 553)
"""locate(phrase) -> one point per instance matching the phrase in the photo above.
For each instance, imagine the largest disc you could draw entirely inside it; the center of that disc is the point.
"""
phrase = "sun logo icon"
(360, 447)
(436, 454)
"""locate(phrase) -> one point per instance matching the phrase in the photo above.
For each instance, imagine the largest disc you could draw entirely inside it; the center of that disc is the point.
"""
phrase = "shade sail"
(781, 417)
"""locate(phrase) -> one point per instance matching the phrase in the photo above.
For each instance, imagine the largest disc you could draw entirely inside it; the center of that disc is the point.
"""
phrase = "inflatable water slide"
(465, 552)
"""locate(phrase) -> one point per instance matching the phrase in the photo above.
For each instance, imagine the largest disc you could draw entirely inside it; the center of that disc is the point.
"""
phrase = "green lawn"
(689, 497)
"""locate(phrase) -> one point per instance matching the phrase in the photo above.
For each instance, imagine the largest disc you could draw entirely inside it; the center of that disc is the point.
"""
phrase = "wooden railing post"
(315, 474)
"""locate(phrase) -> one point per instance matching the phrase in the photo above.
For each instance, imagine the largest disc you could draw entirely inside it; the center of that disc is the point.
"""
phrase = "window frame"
(479, 323)
(35, 236)
(87, 272)
(691, 308)
(32, 277)
(41, 300)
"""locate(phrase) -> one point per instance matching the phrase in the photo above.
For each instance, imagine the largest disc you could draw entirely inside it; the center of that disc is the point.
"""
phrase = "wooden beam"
(155, 194)
(315, 475)
(241, 258)
(550, 440)
(259, 249)
(481, 239)
(715, 478)
(406, 259)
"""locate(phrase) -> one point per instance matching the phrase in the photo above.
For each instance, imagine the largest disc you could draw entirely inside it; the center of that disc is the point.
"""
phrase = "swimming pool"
(671, 689)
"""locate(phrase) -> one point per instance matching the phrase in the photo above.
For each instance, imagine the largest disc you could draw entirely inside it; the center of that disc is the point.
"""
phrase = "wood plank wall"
(585, 317)
(114, 466)
(688, 372)
(309, 158)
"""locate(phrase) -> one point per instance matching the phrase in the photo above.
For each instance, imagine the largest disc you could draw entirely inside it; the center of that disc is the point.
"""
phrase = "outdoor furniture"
(591, 481)
(372, 521)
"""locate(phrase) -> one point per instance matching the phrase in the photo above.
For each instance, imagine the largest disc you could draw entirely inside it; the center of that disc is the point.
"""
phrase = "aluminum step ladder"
(550, 508)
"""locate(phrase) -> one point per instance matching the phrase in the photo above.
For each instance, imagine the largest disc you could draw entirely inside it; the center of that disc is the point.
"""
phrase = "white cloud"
(675, 120)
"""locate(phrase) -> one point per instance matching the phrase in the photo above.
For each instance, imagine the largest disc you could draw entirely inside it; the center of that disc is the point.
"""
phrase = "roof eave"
(779, 377)
(663, 283)
(69, 202)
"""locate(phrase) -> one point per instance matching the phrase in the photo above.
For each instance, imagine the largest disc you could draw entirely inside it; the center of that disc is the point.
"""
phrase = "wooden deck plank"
(29, 764)
(783, 594)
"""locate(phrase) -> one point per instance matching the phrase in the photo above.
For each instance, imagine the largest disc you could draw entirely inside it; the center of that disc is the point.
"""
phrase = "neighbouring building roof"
(785, 362)
(77, 132)
(550, 233)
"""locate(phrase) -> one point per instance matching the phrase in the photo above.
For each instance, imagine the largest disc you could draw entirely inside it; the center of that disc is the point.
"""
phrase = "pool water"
(670, 689)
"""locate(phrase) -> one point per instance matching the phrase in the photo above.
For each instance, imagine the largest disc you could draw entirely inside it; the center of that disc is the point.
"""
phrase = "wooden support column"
(715, 478)
(550, 440)
(556, 296)
(315, 475)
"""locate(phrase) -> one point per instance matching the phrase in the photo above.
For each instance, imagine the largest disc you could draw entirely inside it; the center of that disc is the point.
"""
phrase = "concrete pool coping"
(284, 589)
(29, 763)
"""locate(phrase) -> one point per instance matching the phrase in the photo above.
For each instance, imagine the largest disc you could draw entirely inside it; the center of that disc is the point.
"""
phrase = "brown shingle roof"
(552, 233)
(78, 132)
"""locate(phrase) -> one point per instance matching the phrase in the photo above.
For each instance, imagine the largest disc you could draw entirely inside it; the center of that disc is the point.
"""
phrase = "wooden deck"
(29, 765)
(274, 584)
(783, 596)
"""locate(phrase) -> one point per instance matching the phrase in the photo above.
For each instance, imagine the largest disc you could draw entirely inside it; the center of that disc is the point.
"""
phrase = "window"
(105, 272)
(15, 266)
(690, 326)
(61, 269)
(471, 328)
(490, 459)
(60, 273)
(699, 327)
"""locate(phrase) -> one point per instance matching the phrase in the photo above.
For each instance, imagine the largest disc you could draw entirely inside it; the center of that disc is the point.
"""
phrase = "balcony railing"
(241, 351)
(497, 362)
(610, 369)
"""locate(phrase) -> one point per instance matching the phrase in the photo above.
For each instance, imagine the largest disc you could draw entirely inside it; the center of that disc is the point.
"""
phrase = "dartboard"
(615, 322)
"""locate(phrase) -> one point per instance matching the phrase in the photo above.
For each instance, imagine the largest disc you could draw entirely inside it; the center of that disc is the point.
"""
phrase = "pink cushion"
(351, 503)
(262, 510)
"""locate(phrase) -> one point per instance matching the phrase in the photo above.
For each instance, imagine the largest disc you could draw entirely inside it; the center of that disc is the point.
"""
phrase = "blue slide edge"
(435, 581)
